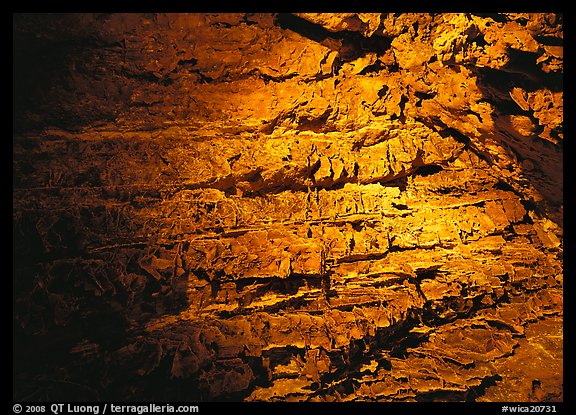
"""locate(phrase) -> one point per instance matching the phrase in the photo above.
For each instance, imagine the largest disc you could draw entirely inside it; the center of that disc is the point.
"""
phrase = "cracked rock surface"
(288, 207)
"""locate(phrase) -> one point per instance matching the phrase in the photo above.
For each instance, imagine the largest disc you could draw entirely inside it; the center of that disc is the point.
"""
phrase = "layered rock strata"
(288, 207)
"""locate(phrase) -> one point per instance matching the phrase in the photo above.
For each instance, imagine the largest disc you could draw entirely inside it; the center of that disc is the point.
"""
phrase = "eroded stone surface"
(310, 207)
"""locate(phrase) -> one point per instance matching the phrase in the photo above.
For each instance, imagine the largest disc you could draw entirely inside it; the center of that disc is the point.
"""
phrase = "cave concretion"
(288, 207)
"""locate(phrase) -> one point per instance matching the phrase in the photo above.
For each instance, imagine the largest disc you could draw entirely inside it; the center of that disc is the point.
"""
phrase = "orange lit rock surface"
(276, 207)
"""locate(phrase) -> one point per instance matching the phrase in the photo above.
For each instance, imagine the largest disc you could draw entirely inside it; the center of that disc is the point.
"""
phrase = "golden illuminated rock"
(278, 207)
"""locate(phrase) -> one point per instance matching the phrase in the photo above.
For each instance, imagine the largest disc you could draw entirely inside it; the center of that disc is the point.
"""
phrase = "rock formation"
(288, 207)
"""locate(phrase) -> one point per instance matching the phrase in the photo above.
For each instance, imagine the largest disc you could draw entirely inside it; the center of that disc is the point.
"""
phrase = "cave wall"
(291, 207)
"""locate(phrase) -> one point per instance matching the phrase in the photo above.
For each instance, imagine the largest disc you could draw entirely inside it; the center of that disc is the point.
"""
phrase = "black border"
(360, 408)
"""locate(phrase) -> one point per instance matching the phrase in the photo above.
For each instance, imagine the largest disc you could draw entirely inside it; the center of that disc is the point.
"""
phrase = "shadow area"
(535, 146)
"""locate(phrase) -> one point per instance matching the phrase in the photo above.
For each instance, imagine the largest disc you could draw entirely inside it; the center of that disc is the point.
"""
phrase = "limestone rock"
(276, 207)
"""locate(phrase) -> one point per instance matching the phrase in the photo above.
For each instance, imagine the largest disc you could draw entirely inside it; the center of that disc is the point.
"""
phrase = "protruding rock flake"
(321, 207)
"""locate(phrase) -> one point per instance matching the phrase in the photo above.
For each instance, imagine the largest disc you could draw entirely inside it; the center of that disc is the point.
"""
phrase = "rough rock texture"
(306, 207)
